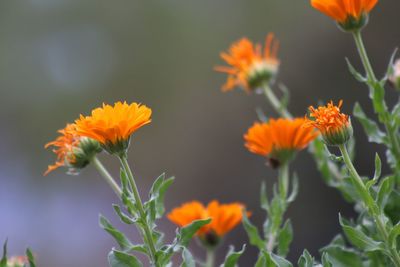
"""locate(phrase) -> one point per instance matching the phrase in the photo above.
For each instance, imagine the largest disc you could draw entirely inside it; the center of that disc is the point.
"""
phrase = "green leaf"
(340, 256)
(121, 239)
(358, 238)
(252, 232)
(232, 257)
(326, 261)
(124, 217)
(157, 193)
(285, 97)
(358, 76)
(185, 234)
(394, 233)
(187, 259)
(371, 129)
(281, 262)
(295, 188)
(124, 180)
(265, 260)
(285, 238)
(377, 174)
(389, 70)
(121, 259)
(3, 262)
(261, 115)
(31, 258)
(306, 260)
(264, 197)
(385, 188)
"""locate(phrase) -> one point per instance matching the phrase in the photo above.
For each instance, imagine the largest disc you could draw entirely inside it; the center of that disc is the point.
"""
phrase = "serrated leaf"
(187, 259)
(252, 232)
(31, 258)
(121, 259)
(370, 127)
(358, 76)
(3, 262)
(285, 238)
(385, 188)
(232, 257)
(120, 237)
(264, 197)
(357, 238)
(306, 260)
(185, 234)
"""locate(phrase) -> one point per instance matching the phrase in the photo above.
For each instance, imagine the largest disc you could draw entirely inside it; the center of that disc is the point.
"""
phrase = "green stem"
(107, 176)
(283, 184)
(274, 101)
(146, 229)
(373, 209)
(372, 82)
(210, 258)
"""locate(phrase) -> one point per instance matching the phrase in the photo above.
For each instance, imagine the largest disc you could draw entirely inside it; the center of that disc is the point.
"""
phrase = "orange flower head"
(112, 126)
(351, 15)
(224, 217)
(279, 139)
(73, 151)
(17, 261)
(249, 66)
(335, 126)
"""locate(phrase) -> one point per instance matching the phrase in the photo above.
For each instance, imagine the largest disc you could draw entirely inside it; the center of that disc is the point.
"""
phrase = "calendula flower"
(113, 126)
(73, 151)
(224, 217)
(334, 126)
(394, 78)
(17, 261)
(279, 139)
(351, 15)
(250, 66)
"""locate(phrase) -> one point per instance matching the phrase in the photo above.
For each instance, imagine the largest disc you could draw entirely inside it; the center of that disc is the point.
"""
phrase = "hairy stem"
(146, 229)
(107, 176)
(373, 82)
(369, 202)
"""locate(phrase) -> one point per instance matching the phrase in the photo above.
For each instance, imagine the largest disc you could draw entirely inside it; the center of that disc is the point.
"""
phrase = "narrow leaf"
(121, 239)
(252, 232)
(186, 233)
(358, 76)
(121, 259)
(232, 257)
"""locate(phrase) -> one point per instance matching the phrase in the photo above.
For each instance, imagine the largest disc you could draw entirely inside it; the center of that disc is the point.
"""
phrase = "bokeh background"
(60, 58)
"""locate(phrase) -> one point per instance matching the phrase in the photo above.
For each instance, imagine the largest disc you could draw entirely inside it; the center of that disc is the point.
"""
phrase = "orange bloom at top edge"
(63, 147)
(249, 65)
(224, 217)
(279, 138)
(344, 11)
(334, 125)
(112, 126)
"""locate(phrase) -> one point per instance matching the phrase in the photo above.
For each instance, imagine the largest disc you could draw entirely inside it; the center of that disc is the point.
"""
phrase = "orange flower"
(249, 66)
(72, 150)
(345, 11)
(224, 217)
(334, 125)
(279, 138)
(112, 126)
(63, 147)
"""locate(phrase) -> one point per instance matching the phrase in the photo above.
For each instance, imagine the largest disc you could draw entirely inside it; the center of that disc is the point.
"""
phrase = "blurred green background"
(60, 58)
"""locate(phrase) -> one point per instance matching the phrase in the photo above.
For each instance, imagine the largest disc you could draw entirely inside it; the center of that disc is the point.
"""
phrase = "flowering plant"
(371, 239)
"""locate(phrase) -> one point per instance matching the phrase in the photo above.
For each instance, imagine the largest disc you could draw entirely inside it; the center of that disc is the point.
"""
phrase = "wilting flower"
(351, 15)
(73, 151)
(394, 78)
(250, 66)
(224, 217)
(334, 126)
(279, 139)
(113, 126)
(17, 261)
